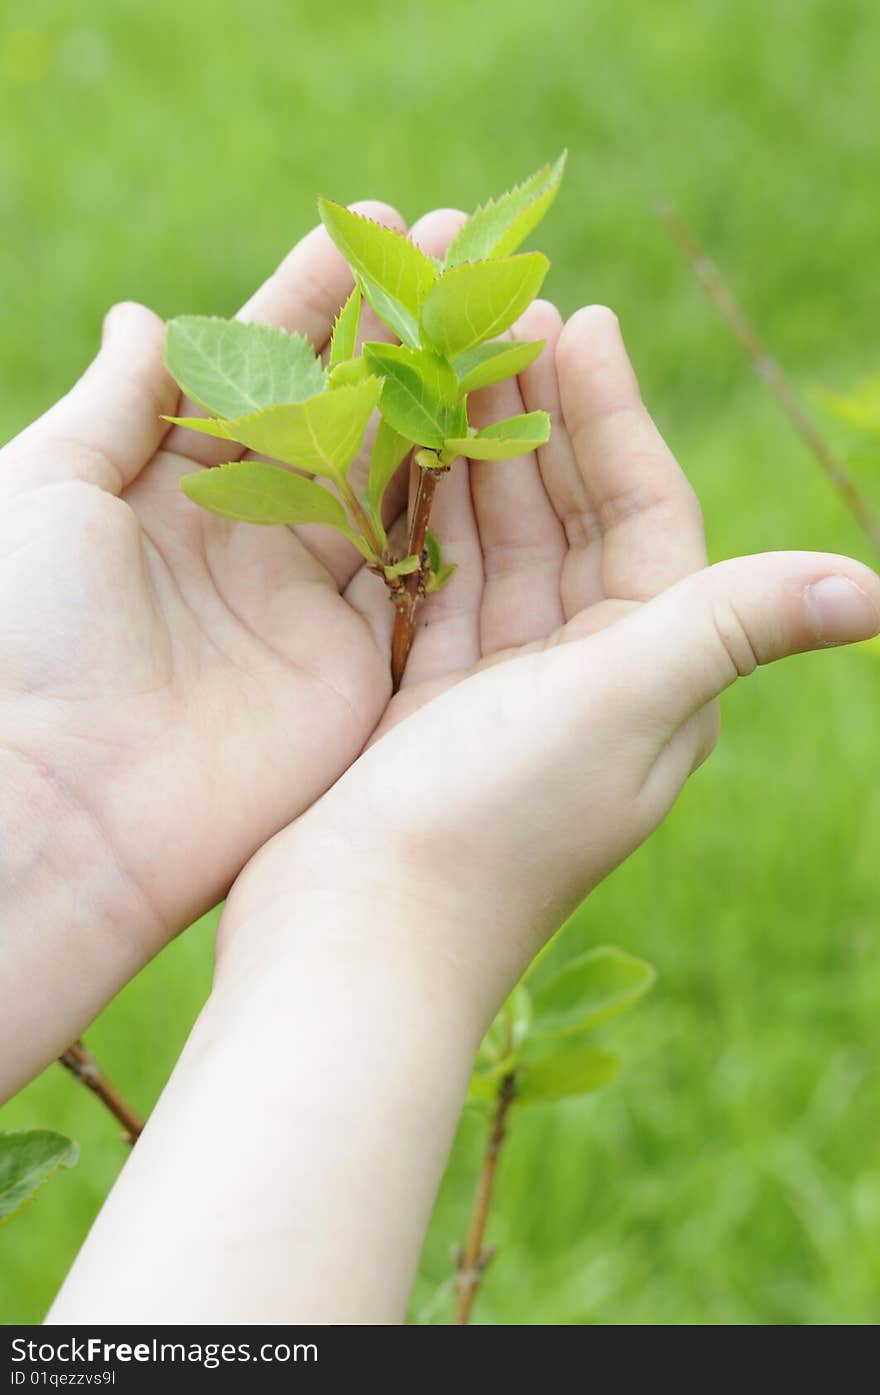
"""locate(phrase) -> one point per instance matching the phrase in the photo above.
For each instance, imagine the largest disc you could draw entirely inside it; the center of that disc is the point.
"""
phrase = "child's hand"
(174, 688)
(564, 688)
(560, 690)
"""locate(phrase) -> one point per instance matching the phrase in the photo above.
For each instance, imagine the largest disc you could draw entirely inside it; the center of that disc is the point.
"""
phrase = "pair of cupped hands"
(183, 697)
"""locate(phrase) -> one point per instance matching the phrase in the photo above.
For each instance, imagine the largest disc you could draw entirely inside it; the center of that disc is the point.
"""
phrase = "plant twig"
(83, 1065)
(407, 599)
(771, 372)
(476, 1257)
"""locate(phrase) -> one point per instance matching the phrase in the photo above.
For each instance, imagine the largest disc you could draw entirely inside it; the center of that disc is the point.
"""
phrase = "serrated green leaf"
(322, 434)
(568, 1072)
(395, 275)
(498, 227)
(232, 368)
(253, 492)
(343, 340)
(419, 393)
(389, 449)
(590, 990)
(480, 300)
(493, 362)
(503, 439)
(435, 373)
(27, 1160)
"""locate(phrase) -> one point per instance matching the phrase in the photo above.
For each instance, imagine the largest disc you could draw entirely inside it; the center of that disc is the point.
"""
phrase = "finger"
(580, 584)
(672, 656)
(303, 294)
(648, 514)
(522, 539)
(108, 426)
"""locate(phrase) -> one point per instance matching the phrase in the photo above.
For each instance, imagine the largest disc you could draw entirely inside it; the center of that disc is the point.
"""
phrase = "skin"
(559, 693)
(176, 688)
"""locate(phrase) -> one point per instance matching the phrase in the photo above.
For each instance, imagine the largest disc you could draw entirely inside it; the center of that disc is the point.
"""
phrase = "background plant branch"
(771, 372)
(82, 1064)
(475, 1257)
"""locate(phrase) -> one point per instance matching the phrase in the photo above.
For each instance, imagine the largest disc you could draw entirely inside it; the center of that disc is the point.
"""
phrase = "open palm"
(176, 687)
(559, 543)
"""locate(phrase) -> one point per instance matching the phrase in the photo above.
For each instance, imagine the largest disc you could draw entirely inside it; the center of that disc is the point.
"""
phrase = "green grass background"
(172, 153)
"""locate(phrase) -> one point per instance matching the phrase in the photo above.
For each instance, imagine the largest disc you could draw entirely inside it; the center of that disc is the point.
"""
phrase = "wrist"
(332, 1066)
(307, 897)
(374, 934)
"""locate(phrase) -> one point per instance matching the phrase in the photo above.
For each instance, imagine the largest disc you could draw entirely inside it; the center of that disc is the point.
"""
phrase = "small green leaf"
(498, 227)
(389, 448)
(395, 275)
(504, 439)
(493, 362)
(322, 434)
(232, 368)
(405, 567)
(27, 1160)
(479, 300)
(568, 1072)
(434, 550)
(508, 1031)
(859, 408)
(354, 370)
(440, 572)
(253, 492)
(436, 580)
(419, 393)
(591, 990)
(343, 340)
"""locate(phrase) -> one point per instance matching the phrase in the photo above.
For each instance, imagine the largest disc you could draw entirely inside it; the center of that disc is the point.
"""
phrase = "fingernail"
(840, 611)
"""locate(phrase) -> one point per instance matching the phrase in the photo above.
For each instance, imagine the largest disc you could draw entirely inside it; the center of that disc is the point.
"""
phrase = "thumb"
(680, 650)
(109, 424)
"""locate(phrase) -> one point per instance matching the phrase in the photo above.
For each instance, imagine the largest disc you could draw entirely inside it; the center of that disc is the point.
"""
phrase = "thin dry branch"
(771, 372)
(81, 1063)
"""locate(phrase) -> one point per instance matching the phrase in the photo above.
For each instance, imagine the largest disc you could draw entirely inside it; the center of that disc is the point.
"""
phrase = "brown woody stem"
(83, 1065)
(772, 373)
(407, 598)
(475, 1257)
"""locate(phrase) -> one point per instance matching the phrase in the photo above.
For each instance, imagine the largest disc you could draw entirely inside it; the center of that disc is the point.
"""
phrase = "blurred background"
(172, 153)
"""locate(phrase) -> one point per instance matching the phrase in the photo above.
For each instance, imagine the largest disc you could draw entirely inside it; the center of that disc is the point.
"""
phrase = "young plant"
(538, 1051)
(268, 390)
